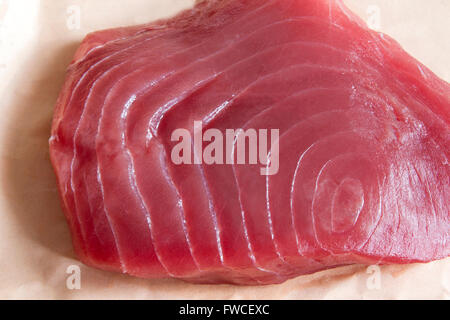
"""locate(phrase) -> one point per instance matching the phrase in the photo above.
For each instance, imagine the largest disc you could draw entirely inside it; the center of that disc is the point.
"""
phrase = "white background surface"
(37, 41)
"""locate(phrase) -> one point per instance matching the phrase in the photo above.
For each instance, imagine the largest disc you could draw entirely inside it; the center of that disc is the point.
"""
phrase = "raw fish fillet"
(364, 142)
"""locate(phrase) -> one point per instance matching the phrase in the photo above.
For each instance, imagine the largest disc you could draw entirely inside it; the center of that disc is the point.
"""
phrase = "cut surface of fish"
(355, 130)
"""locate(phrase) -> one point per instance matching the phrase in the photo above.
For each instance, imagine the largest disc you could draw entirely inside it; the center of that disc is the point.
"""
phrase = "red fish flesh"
(363, 145)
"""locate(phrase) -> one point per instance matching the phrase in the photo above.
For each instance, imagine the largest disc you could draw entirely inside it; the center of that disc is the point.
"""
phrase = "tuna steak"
(363, 145)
